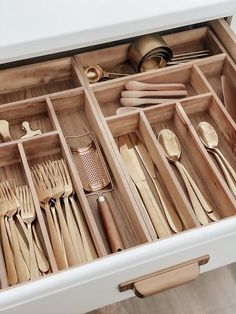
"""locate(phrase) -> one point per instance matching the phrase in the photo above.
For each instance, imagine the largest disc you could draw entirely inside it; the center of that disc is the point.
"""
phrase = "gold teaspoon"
(172, 150)
(210, 140)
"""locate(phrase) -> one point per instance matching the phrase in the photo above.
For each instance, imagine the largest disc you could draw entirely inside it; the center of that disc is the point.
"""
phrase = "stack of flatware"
(24, 260)
(69, 235)
(210, 140)
(164, 218)
(139, 93)
(172, 149)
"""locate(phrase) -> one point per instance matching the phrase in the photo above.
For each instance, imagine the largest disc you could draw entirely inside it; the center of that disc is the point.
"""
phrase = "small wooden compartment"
(37, 79)
(35, 112)
(76, 117)
(108, 94)
(193, 156)
(136, 124)
(115, 59)
(12, 170)
(209, 109)
(220, 73)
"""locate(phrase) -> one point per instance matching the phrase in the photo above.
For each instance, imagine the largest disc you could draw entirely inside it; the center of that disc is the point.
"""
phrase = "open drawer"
(56, 99)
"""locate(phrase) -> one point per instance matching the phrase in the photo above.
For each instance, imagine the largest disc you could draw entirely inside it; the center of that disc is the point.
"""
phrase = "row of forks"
(23, 261)
(69, 235)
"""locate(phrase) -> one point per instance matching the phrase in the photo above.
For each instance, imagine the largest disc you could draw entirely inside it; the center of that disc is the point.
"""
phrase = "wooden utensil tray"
(55, 97)
(115, 59)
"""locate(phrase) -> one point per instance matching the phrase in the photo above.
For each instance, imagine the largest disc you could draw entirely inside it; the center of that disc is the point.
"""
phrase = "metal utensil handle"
(110, 226)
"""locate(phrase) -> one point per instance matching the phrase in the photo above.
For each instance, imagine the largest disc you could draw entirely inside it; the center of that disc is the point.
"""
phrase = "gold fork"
(12, 205)
(8, 254)
(27, 212)
(86, 238)
(44, 193)
(57, 192)
(74, 232)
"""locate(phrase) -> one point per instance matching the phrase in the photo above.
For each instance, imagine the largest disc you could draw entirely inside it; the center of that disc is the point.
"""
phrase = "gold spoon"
(172, 150)
(210, 140)
(96, 73)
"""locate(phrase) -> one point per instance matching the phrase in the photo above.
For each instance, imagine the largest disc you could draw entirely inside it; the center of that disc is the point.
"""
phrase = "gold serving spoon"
(210, 140)
(172, 150)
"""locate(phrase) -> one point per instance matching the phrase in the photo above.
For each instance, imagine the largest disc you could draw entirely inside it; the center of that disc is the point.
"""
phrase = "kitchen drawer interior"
(111, 94)
(24, 120)
(15, 191)
(220, 73)
(37, 79)
(115, 59)
(56, 99)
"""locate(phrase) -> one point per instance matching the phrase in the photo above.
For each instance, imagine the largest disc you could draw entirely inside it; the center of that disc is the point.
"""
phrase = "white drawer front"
(96, 284)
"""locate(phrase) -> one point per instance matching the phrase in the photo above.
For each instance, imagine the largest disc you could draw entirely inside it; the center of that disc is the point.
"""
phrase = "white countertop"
(30, 28)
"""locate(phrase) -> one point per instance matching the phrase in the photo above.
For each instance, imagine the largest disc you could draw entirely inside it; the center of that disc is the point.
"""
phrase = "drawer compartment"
(108, 94)
(37, 79)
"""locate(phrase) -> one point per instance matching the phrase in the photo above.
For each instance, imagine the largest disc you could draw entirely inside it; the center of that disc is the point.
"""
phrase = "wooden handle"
(158, 220)
(135, 85)
(197, 207)
(137, 94)
(86, 238)
(171, 216)
(75, 236)
(134, 102)
(21, 267)
(34, 273)
(55, 240)
(70, 251)
(165, 279)
(110, 226)
(8, 255)
(228, 178)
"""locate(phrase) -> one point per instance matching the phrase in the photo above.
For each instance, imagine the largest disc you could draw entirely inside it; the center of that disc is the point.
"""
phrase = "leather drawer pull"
(165, 279)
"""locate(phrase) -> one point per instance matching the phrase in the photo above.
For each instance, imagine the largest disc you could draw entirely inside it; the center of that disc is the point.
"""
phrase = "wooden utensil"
(5, 131)
(170, 214)
(29, 132)
(172, 150)
(134, 102)
(139, 94)
(137, 175)
(95, 178)
(140, 86)
(126, 109)
(210, 140)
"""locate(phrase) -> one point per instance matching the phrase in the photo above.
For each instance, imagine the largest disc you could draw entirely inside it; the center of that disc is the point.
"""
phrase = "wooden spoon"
(135, 85)
(210, 140)
(134, 102)
(172, 150)
(168, 93)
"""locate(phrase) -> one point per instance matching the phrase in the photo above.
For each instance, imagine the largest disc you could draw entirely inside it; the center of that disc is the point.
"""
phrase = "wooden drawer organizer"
(56, 98)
